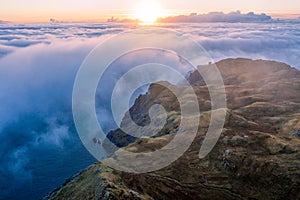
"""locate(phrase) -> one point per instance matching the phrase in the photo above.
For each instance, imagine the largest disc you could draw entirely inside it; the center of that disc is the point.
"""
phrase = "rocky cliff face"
(256, 157)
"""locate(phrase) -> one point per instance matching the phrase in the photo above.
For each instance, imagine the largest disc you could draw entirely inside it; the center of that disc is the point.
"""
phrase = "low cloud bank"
(217, 17)
(38, 65)
(35, 113)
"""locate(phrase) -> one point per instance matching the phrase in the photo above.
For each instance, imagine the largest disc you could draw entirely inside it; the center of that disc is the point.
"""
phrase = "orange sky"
(67, 10)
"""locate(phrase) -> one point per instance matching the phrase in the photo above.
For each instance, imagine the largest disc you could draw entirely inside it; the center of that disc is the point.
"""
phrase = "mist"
(38, 65)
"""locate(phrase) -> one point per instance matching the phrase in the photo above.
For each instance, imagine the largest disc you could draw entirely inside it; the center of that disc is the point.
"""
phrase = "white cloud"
(218, 17)
(35, 86)
(38, 64)
(273, 41)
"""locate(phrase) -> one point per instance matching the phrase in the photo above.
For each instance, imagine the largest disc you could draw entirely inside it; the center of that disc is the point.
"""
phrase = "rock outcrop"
(256, 157)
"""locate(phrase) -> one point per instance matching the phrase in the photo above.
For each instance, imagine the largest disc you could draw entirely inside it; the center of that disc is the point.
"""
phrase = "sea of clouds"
(38, 65)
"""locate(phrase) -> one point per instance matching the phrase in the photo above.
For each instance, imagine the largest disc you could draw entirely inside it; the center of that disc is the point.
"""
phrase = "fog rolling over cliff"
(256, 157)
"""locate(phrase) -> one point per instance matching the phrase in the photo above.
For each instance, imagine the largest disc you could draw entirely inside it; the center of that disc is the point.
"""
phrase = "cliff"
(256, 157)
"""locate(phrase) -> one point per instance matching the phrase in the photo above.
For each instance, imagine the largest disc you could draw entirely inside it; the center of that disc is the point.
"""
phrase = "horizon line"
(126, 16)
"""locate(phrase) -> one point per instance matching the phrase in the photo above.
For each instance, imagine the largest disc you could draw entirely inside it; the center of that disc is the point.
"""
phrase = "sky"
(41, 10)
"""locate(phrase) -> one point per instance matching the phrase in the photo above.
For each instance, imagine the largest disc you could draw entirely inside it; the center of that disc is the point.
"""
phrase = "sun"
(147, 12)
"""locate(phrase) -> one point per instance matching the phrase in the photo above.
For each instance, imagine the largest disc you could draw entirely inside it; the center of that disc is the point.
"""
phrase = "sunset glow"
(147, 12)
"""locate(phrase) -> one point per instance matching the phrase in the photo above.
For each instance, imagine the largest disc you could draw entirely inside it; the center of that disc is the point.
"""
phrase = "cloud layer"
(35, 92)
(217, 17)
(38, 65)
